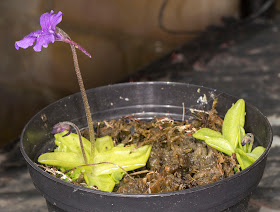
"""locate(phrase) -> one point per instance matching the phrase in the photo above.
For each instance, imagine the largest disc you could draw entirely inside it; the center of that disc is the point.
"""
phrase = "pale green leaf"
(129, 158)
(220, 144)
(67, 160)
(68, 155)
(102, 182)
(244, 159)
(104, 144)
(71, 143)
(257, 152)
(234, 119)
(204, 133)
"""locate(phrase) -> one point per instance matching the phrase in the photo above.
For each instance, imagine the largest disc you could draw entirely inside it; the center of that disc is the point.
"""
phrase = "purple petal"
(45, 36)
(248, 138)
(60, 127)
(24, 43)
(28, 40)
(56, 19)
(45, 21)
(43, 40)
(48, 21)
(56, 130)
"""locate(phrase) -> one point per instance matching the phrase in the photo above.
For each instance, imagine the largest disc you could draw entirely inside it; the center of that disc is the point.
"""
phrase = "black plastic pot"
(145, 100)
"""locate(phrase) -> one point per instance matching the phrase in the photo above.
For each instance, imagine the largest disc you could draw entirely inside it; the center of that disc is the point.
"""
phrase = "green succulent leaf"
(104, 144)
(117, 176)
(257, 152)
(233, 121)
(67, 160)
(129, 158)
(250, 146)
(75, 174)
(204, 133)
(243, 162)
(70, 143)
(68, 155)
(230, 141)
(245, 156)
(102, 182)
(220, 144)
(214, 139)
(246, 159)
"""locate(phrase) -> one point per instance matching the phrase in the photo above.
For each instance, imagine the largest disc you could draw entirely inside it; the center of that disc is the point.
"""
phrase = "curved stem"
(80, 138)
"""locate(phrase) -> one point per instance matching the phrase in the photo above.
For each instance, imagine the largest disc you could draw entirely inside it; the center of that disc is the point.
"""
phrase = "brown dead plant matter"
(177, 160)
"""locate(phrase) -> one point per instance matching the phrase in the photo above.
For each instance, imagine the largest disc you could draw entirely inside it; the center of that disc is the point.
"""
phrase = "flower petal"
(28, 40)
(45, 21)
(43, 40)
(48, 21)
(60, 127)
(56, 19)
(24, 43)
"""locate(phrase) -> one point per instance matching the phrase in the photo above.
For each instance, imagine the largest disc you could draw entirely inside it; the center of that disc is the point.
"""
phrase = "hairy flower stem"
(85, 100)
(82, 89)
(80, 138)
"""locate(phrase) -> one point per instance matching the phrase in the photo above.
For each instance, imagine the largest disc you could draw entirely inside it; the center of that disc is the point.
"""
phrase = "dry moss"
(177, 160)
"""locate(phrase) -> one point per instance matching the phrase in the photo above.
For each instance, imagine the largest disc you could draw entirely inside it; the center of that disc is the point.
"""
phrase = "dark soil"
(177, 161)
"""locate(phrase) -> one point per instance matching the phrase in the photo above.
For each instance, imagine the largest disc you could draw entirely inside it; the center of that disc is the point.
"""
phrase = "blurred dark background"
(122, 36)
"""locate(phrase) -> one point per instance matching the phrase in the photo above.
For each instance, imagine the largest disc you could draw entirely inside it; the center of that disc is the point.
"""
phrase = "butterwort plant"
(49, 34)
(233, 140)
(98, 160)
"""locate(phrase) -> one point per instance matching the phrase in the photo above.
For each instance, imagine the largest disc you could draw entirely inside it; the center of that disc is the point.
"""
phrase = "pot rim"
(166, 194)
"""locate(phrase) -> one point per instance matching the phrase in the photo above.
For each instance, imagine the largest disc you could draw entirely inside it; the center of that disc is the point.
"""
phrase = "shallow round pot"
(145, 100)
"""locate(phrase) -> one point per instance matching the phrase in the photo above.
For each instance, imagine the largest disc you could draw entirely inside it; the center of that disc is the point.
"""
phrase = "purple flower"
(248, 138)
(48, 34)
(48, 22)
(60, 127)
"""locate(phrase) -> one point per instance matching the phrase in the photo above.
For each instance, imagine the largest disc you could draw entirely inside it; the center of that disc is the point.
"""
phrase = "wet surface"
(242, 60)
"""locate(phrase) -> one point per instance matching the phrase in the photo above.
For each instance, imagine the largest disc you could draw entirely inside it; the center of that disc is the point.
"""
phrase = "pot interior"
(144, 101)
